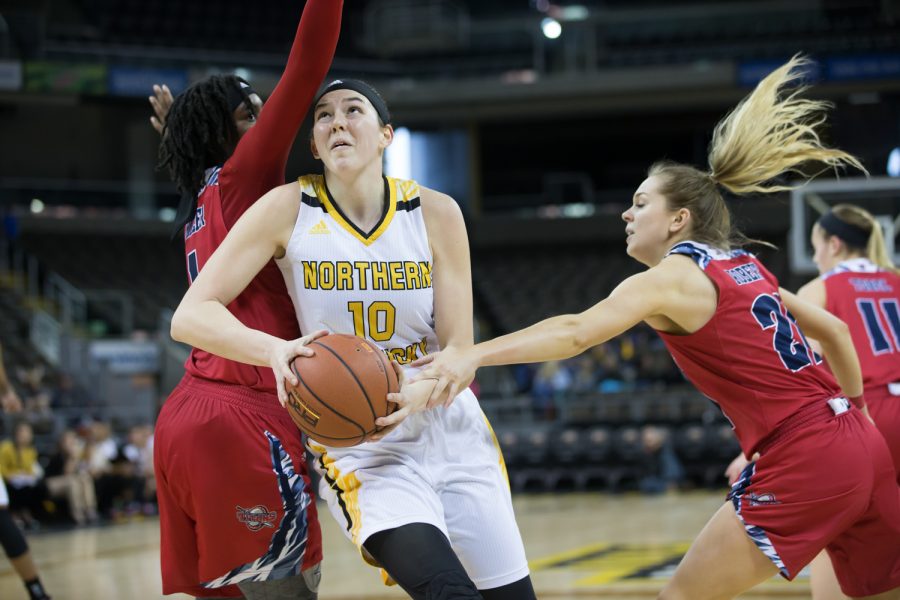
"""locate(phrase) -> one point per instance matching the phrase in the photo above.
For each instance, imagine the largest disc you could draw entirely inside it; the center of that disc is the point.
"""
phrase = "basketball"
(341, 390)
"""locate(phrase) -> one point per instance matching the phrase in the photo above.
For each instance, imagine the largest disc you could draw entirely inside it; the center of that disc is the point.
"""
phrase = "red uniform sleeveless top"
(256, 166)
(867, 299)
(750, 358)
(264, 304)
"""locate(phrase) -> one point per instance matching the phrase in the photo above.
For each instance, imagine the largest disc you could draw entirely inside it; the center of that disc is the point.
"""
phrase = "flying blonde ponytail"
(769, 133)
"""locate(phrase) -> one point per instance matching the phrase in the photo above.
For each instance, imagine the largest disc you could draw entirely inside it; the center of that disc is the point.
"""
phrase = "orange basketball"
(341, 390)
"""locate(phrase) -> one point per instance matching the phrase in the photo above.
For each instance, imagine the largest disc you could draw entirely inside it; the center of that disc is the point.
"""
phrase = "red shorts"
(884, 407)
(825, 481)
(235, 503)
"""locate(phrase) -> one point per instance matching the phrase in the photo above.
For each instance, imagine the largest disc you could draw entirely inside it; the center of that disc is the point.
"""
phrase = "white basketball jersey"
(374, 284)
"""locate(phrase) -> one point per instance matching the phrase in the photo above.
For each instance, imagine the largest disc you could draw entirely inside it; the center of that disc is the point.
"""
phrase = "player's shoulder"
(438, 204)
(814, 292)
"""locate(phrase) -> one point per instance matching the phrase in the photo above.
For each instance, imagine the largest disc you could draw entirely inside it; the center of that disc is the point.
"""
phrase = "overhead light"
(551, 28)
(398, 156)
(167, 214)
(893, 166)
(37, 205)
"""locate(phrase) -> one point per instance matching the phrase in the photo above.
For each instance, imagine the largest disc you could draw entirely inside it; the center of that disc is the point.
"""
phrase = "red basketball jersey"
(264, 304)
(256, 166)
(867, 299)
(750, 358)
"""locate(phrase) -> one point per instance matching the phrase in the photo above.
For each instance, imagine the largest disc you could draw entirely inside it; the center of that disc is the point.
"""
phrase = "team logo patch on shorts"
(762, 499)
(257, 517)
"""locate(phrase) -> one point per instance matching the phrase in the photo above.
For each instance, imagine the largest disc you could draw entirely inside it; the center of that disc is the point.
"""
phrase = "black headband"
(852, 235)
(237, 95)
(363, 88)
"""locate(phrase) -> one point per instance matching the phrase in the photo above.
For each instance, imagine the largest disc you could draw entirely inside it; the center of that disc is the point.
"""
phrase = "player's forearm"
(210, 326)
(307, 65)
(556, 338)
(838, 349)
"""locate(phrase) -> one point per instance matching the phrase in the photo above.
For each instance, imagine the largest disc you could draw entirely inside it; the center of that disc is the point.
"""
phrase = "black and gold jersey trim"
(409, 205)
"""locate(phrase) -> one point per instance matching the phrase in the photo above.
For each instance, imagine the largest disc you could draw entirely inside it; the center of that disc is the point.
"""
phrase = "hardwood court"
(580, 546)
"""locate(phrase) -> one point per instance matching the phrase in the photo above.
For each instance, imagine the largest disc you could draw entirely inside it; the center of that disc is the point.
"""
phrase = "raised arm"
(834, 337)
(261, 156)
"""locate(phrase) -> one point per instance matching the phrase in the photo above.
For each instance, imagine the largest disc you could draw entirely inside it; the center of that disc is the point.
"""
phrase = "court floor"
(580, 546)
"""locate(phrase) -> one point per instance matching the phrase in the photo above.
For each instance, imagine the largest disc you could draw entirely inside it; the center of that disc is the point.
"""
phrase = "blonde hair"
(767, 134)
(876, 250)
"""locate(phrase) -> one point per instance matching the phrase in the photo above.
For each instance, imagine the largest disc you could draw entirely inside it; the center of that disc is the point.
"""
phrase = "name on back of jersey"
(871, 285)
(366, 275)
(196, 225)
(744, 274)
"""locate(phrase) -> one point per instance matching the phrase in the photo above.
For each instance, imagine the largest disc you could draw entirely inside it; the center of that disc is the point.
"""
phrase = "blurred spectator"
(23, 475)
(550, 383)
(69, 394)
(139, 452)
(36, 393)
(113, 474)
(584, 378)
(611, 372)
(660, 469)
(9, 400)
(68, 477)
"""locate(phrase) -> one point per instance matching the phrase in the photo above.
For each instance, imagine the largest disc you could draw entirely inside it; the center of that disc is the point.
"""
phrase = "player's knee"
(11, 538)
(300, 587)
(451, 585)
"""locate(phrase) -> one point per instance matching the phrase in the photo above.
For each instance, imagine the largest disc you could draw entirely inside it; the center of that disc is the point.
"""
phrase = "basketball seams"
(352, 373)
(329, 407)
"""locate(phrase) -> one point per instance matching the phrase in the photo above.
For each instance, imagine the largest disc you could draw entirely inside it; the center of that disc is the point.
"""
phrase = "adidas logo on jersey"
(320, 227)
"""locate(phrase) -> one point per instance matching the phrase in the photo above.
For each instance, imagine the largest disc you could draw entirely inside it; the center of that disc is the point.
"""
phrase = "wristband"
(858, 401)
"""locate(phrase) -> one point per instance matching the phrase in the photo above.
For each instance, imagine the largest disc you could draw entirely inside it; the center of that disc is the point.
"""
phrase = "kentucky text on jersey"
(364, 275)
(870, 285)
(196, 225)
(745, 274)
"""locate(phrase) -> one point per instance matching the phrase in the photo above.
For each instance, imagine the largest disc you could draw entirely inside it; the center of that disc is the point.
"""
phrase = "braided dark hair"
(199, 133)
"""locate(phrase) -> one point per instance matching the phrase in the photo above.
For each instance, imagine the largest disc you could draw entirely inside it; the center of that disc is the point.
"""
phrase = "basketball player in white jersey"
(388, 260)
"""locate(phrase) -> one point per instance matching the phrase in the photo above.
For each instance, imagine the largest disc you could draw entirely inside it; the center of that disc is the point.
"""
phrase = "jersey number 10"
(379, 319)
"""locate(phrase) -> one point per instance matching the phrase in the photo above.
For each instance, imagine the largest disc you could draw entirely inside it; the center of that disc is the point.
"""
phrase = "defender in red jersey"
(237, 515)
(859, 283)
(824, 476)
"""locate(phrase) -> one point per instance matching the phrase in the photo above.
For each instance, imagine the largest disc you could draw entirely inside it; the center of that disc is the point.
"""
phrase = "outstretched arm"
(259, 160)
(634, 300)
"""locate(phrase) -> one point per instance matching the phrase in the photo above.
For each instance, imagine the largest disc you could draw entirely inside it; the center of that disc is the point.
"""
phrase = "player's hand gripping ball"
(341, 390)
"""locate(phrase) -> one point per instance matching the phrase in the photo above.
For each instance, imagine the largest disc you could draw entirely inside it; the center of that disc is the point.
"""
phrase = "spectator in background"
(36, 393)
(11, 538)
(68, 394)
(112, 477)
(584, 376)
(611, 372)
(68, 477)
(139, 453)
(9, 399)
(23, 475)
(551, 382)
(660, 469)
